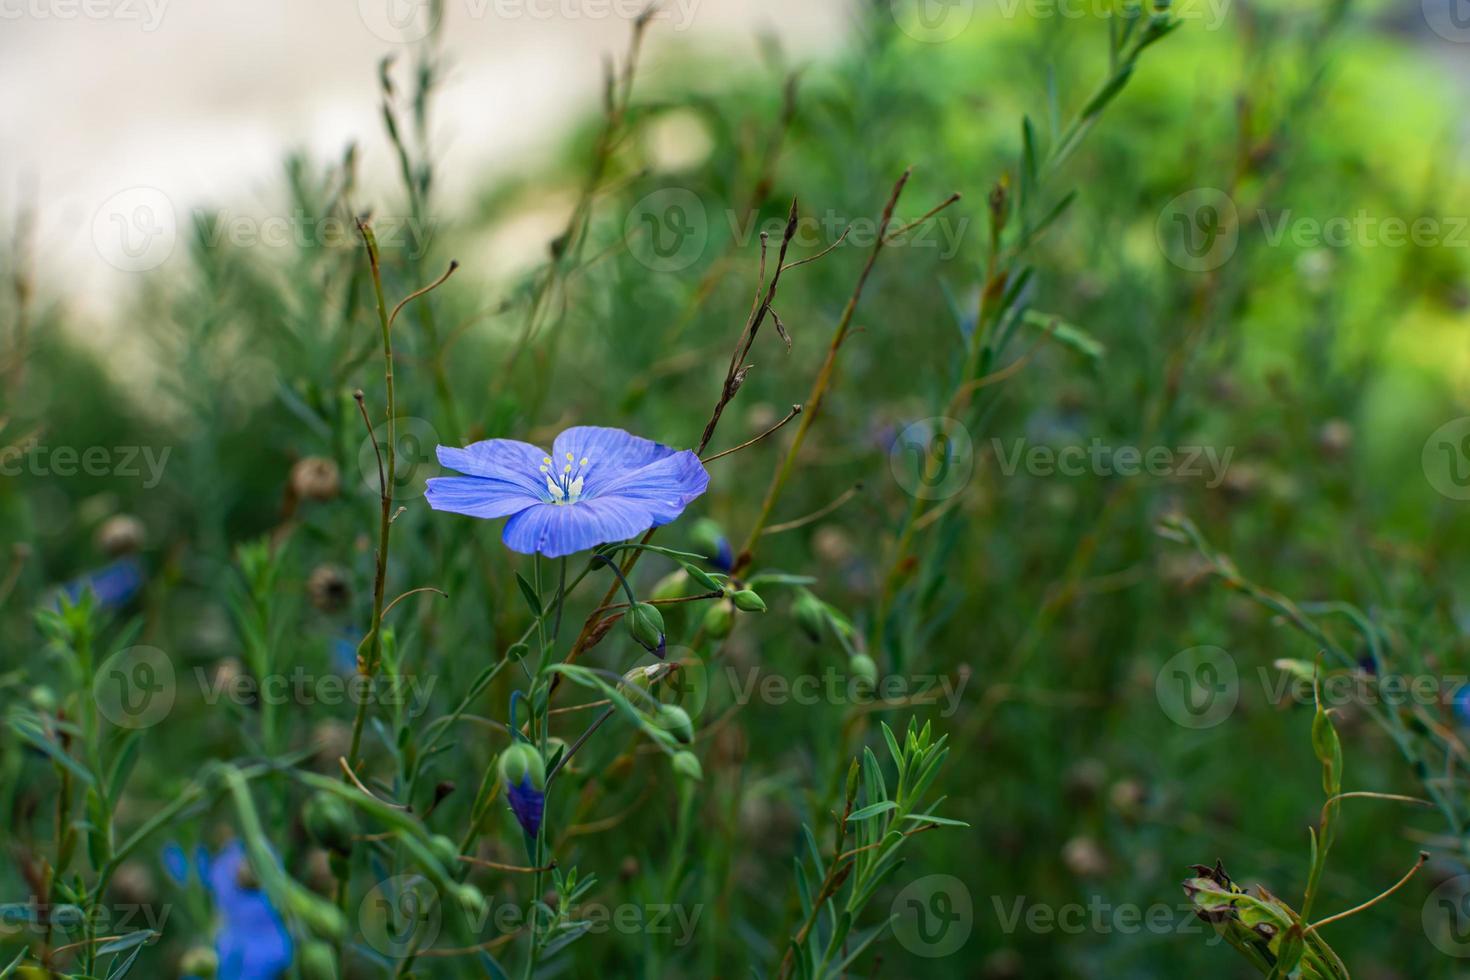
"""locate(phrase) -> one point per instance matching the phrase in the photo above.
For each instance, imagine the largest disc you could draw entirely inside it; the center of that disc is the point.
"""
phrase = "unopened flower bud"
(686, 764)
(709, 539)
(747, 601)
(318, 962)
(672, 586)
(199, 961)
(675, 720)
(811, 614)
(517, 652)
(646, 624)
(329, 821)
(864, 670)
(446, 850)
(719, 620)
(523, 775)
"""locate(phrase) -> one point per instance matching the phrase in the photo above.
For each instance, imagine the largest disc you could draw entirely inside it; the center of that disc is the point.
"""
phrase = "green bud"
(646, 624)
(675, 720)
(719, 620)
(864, 670)
(672, 586)
(708, 538)
(642, 677)
(330, 822)
(445, 850)
(199, 961)
(517, 652)
(43, 699)
(518, 762)
(686, 764)
(472, 900)
(747, 601)
(318, 962)
(811, 614)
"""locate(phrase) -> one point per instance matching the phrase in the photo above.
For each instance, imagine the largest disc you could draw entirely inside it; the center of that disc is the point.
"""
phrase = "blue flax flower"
(252, 943)
(595, 486)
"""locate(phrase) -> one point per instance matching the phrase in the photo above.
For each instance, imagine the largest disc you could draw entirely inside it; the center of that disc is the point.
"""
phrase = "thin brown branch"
(795, 411)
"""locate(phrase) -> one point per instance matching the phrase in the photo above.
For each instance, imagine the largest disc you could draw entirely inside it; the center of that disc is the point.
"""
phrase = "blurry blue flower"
(1461, 705)
(114, 584)
(252, 943)
(344, 651)
(597, 485)
(176, 863)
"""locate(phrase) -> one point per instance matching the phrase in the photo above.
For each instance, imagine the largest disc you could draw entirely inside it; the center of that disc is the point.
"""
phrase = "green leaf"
(942, 821)
(872, 810)
(532, 599)
(1070, 335)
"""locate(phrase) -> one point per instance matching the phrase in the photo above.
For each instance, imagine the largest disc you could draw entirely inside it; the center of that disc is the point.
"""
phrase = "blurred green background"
(1051, 601)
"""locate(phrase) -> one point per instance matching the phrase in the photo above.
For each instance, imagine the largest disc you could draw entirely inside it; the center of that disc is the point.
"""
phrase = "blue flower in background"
(597, 485)
(114, 584)
(252, 943)
(176, 863)
(1461, 705)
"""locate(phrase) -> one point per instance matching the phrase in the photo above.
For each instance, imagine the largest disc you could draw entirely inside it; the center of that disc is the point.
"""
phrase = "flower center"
(565, 487)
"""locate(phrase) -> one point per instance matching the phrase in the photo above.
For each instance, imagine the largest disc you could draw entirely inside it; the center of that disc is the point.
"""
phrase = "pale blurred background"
(200, 100)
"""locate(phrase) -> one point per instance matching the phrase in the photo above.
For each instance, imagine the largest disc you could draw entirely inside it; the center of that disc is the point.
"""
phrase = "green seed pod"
(811, 614)
(864, 670)
(674, 585)
(199, 961)
(747, 601)
(646, 624)
(675, 720)
(318, 962)
(330, 822)
(719, 620)
(446, 850)
(686, 764)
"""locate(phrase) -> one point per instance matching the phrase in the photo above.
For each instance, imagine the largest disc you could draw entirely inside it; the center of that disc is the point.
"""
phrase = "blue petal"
(176, 863)
(663, 488)
(252, 943)
(563, 529)
(528, 804)
(504, 460)
(609, 453)
(478, 497)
